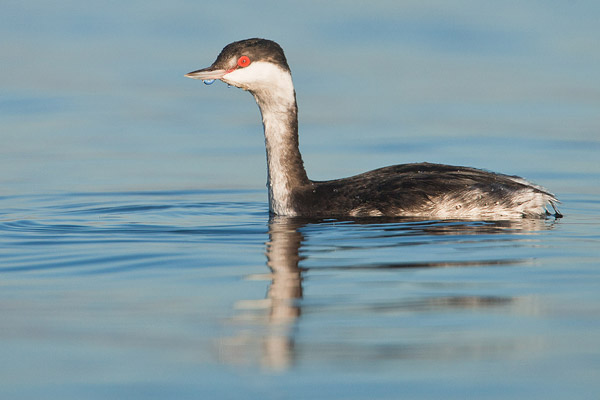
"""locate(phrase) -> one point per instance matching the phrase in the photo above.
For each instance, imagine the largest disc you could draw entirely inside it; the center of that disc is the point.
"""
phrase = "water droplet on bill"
(208, 81)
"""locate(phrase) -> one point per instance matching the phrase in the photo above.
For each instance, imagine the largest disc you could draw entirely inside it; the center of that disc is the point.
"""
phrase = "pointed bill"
(207, 74)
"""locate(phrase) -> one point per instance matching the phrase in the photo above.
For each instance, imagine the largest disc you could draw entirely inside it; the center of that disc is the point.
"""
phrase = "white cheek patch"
(260, 75)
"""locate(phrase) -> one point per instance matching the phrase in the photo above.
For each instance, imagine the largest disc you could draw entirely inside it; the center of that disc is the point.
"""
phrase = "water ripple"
(126, 231)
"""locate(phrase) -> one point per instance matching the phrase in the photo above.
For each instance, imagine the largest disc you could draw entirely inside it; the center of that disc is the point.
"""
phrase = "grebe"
(416, 190)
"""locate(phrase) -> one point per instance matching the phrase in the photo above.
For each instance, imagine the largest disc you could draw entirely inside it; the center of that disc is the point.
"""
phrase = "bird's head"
(251, 64)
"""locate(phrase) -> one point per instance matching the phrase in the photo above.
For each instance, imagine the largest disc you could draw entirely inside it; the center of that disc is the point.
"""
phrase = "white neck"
(277, 102)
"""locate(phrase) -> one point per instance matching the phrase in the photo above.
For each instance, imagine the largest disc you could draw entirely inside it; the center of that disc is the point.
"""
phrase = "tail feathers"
(553, 202)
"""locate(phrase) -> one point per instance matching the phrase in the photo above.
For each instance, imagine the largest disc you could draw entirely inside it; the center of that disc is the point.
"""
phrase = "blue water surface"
(138, 259)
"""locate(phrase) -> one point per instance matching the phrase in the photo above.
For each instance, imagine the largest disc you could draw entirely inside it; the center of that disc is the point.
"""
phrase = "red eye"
(244, 61)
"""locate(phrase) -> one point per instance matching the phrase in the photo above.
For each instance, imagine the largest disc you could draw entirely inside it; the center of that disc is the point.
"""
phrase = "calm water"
(137, 256)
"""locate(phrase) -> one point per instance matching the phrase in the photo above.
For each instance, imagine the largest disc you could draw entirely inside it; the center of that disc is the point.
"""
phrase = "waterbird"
(423, 190)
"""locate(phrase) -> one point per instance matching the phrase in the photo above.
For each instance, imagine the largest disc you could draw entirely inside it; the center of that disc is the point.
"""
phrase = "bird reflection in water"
(285, 290)
(275, 342)
(270, 337)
